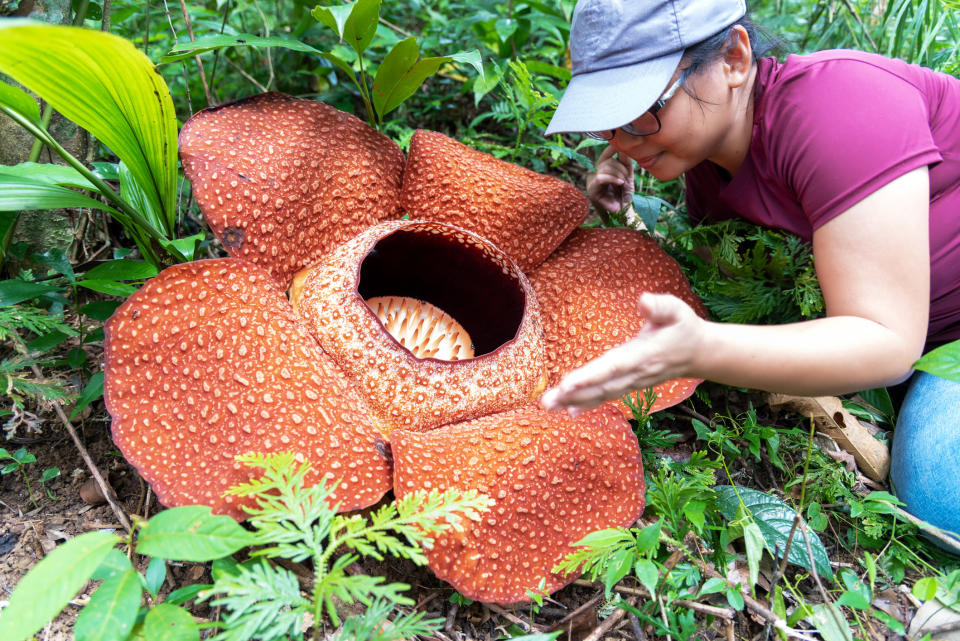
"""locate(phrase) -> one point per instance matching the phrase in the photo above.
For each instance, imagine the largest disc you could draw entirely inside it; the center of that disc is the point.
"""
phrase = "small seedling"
(48, 475)
(21, 458)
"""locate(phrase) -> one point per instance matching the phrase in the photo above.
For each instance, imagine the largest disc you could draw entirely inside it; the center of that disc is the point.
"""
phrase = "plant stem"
(101, 186)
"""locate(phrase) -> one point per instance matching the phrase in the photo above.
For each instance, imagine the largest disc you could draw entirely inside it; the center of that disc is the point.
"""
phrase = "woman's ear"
(738, 58)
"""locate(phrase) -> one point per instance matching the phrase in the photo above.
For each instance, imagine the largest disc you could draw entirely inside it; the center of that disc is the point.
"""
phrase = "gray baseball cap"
(624, 53)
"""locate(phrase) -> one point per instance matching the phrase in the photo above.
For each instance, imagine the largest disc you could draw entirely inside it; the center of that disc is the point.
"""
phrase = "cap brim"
(610, 98)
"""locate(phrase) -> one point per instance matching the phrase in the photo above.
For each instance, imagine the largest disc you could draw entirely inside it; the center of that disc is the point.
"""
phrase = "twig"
(584, 606)
(637, 628)
(243, 73)
(609, 622)
(712, 610)
(515, 619)
(107, 491)
(203, 76)
(856, 16)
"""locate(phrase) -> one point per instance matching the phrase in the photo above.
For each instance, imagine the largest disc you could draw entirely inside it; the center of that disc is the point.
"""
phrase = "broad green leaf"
(192, 533)
(168, 622)
(109, 287)
(604, 538)
(100, 310)
(122, 270)
(16, 291)
(361, 24)
(49, 586)
(830, 623)
(20, 101)
(649, 538)
(91, 392)
(112, 610)
(186, 247)
(186, 593)
(618, 565)
(889, 621)
(775, 520)
(19, 194)
(755, 545)
(37, 172)
(58, 261)
(713, 585)
(116, 562)
(943, 361)
(204, 44)
(334, 17)
(393, 90)
(925, 589)
(107, 86)
(647, 574)
(155, 575)
(47, 341)
(473, 59)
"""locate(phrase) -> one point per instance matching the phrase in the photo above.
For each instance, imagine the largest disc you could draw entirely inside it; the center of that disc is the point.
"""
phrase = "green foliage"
(297, 523)
(755, 275)
(944, 361)
(258, 599)
(775, 521)
(119, 98)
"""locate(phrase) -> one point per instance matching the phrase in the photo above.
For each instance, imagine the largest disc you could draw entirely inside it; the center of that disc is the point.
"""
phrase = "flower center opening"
(472, 284)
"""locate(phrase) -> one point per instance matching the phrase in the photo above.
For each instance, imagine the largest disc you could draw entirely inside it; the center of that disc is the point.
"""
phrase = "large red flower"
(412, 351)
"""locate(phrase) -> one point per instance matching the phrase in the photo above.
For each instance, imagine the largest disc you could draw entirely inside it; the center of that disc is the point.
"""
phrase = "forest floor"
(32, 526)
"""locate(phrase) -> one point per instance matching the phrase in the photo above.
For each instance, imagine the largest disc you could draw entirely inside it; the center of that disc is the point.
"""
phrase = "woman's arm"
(873, 265)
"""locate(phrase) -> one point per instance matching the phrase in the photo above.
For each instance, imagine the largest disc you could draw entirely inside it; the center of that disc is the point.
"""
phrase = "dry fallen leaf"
(832, 419)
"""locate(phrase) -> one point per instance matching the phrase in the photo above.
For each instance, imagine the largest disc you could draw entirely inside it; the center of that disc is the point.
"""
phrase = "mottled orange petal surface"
(525, 214)
(588, 291)
(460, 273)
(553, 479)
(281, 180)
(208, 361)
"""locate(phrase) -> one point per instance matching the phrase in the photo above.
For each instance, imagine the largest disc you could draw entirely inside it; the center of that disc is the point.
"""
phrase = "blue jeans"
(925, 460)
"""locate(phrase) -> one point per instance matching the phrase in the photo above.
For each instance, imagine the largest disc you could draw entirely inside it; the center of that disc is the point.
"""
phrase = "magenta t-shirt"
(829, 129)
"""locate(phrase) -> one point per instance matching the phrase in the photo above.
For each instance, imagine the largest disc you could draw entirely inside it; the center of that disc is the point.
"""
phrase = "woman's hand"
(664, 349)
(612, 186)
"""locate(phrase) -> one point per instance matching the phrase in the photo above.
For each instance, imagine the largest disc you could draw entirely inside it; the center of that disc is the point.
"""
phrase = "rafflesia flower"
(431, 300)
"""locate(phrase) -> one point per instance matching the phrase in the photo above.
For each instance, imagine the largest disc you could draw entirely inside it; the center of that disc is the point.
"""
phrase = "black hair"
(698, 56)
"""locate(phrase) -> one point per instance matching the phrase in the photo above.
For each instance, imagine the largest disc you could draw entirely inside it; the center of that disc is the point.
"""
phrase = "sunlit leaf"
(204, 44)
(20, 101)
(49, 586)
(112, 610)
(168, 622)
(124, 103)
(943, 361)
(191, 533)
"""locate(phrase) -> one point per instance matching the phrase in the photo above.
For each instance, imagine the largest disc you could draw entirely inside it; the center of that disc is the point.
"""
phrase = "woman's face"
(715, 125)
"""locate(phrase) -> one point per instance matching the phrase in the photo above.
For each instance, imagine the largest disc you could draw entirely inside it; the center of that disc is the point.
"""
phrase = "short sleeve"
(842, 129)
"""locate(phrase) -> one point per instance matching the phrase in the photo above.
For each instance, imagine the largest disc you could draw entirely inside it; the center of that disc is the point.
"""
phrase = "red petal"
(525, 214)
(460, 273)
(281, 180)
(554, 480)
(208, 361)
(588, 291)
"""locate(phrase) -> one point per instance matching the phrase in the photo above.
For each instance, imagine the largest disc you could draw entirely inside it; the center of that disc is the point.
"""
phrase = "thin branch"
(609, 622)
(243, 73)
(203, 75)
(105, 488)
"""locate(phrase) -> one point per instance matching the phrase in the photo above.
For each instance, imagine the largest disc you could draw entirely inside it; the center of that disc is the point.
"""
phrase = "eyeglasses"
(647, 124)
